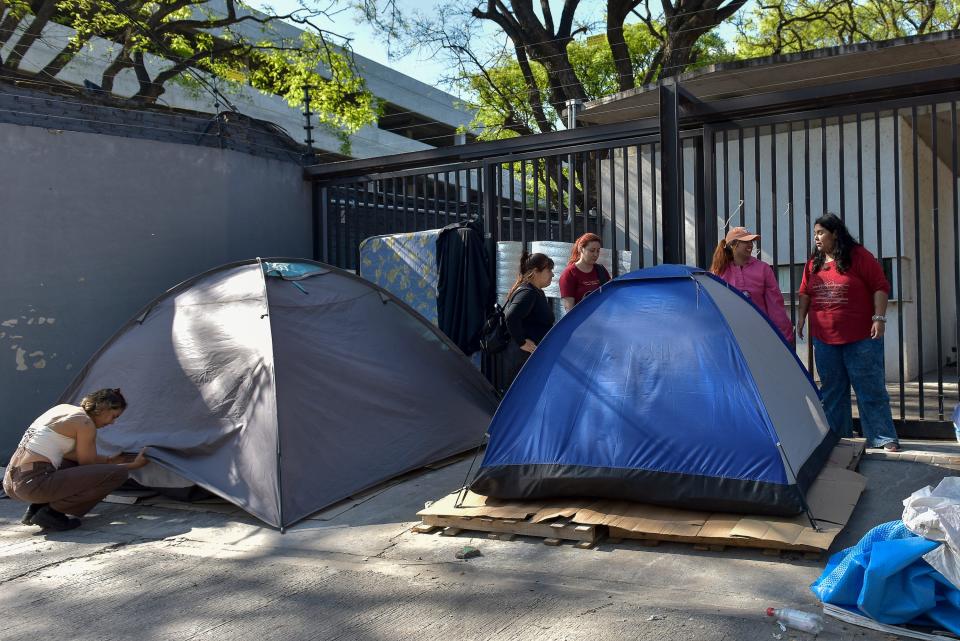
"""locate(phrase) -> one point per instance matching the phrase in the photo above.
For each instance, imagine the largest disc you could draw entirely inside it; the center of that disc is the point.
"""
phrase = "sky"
(418, 64)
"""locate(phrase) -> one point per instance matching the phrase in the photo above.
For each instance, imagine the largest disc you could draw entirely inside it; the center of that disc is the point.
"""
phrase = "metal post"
(670, 171)
(574, 106)
(309, 157)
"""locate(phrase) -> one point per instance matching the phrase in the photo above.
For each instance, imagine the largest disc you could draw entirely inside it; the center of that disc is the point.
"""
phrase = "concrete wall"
(95, 226)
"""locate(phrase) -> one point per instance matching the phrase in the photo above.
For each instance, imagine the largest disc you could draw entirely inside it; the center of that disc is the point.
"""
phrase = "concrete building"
(416, 116)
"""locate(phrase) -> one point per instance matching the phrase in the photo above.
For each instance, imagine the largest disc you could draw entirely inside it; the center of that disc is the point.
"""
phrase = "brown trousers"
(73, 489)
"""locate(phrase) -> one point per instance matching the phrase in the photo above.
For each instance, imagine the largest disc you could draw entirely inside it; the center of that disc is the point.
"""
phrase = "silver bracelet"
(878, 317)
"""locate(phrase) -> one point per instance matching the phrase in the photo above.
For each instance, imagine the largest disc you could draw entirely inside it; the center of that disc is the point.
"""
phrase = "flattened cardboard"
(831, 499)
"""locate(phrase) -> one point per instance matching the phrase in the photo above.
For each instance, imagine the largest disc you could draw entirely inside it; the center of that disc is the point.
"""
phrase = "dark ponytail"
(529, 265)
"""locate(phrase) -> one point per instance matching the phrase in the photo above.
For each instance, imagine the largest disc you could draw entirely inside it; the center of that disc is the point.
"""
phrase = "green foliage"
(790, 26)
(241, 48)
(502, 99)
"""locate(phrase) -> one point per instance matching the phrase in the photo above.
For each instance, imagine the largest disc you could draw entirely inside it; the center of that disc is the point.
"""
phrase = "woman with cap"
(846, 292)
(733, 261)
(56, 467)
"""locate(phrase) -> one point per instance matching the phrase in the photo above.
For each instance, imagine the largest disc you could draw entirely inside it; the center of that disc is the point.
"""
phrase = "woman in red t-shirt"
(583, 275)
(845, 291)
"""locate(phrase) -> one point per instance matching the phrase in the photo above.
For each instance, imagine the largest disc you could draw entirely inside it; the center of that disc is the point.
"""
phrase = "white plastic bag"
(934, 514)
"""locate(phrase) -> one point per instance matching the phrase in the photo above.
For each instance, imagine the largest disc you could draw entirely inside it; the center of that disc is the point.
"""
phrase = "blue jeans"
(859, 364)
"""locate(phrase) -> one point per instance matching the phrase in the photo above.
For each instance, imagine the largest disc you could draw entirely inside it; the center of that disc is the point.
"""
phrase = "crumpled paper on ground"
(934, 514)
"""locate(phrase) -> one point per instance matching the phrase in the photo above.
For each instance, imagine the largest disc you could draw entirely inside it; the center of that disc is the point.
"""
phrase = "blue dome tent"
(668, 387)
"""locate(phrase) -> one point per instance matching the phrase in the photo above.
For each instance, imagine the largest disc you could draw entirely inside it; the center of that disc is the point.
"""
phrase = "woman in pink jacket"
(733, 261)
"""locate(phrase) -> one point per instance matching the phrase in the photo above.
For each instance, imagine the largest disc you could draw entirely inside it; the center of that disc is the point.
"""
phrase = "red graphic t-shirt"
(841, 305)
(576, 283)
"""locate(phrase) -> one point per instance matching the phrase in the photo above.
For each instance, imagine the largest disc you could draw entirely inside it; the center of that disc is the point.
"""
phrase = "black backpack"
(494, 337)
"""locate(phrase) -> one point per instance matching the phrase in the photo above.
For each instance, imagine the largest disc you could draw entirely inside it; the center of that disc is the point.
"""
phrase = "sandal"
(892, 447)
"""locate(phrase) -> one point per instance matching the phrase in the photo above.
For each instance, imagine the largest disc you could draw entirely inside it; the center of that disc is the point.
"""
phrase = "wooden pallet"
(553, 533)
(589, 521)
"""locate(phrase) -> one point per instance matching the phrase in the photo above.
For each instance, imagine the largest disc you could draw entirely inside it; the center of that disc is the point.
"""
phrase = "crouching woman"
(56, 467)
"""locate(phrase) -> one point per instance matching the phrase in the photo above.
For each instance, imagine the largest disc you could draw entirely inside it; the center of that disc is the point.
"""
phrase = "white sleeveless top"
(41, 439)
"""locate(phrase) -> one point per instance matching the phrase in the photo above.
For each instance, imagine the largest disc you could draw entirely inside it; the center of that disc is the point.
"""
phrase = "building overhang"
(739, 88)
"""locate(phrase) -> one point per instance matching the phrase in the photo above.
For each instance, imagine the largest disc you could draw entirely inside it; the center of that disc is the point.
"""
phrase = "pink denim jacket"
(756, 280)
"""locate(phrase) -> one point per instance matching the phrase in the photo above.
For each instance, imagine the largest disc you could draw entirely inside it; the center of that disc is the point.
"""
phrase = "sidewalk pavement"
(356, 572)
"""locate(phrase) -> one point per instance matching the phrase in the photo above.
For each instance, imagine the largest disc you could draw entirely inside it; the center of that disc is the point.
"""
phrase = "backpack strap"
(603, 274)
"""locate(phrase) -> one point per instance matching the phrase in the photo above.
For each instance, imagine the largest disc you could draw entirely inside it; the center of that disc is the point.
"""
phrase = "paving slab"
(356, 571)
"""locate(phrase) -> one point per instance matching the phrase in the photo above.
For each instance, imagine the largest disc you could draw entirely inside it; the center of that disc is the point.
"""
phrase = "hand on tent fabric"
(138, 461)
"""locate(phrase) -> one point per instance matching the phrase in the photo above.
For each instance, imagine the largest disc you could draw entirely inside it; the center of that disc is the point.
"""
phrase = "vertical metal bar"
(498, 186)
(470, 190)
(860, 178)
(536, 199)
(654, 225)
(795, 299)
(916, 257)
(626, 210)
(711, 231)
(899, 256)
(704, 244)
(316, 231)
(456, 181)
(956, 238)
(446, 198)
(743, 210)
(756, 182)
(613, 210)
(878, 185)
(549, 203)
(775, 209)
(843, 178)
(585, 185)
(790, 220)
(599, 221)
(523, 203)
(670, 164)
(559, 161)
(325, 225)
(726, 183)
(682, 210)
(640, 244)
(823, 164)
(935, 160)
(878, 190)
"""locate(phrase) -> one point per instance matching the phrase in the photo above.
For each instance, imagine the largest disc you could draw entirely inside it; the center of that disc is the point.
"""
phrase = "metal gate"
(889, 169)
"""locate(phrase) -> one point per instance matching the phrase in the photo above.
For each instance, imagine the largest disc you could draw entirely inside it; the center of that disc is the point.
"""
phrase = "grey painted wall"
(93, 227)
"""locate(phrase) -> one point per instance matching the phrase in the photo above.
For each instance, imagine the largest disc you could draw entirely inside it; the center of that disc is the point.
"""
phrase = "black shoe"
(31, 511)
(49, 519)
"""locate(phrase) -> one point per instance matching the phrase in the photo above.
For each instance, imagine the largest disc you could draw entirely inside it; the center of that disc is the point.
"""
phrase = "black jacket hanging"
(464, 290)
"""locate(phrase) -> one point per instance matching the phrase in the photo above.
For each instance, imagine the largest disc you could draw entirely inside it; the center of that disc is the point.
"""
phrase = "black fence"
(888, 167)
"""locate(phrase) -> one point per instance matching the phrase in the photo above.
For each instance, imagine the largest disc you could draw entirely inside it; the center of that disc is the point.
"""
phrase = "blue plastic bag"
(886, 578)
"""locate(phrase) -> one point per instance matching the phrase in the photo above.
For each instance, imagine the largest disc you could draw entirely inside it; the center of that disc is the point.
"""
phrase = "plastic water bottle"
(797, 619)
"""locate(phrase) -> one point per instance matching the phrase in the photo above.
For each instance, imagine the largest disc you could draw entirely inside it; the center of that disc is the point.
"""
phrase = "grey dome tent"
(286, 385)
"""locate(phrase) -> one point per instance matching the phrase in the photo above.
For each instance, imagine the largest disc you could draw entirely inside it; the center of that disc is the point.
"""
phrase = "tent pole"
(462, 493)
(803, 499)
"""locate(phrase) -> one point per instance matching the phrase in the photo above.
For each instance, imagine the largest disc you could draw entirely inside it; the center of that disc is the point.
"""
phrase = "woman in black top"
(528, 313)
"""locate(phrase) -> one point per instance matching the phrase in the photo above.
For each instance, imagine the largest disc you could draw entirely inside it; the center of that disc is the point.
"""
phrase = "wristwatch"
(878, 317)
